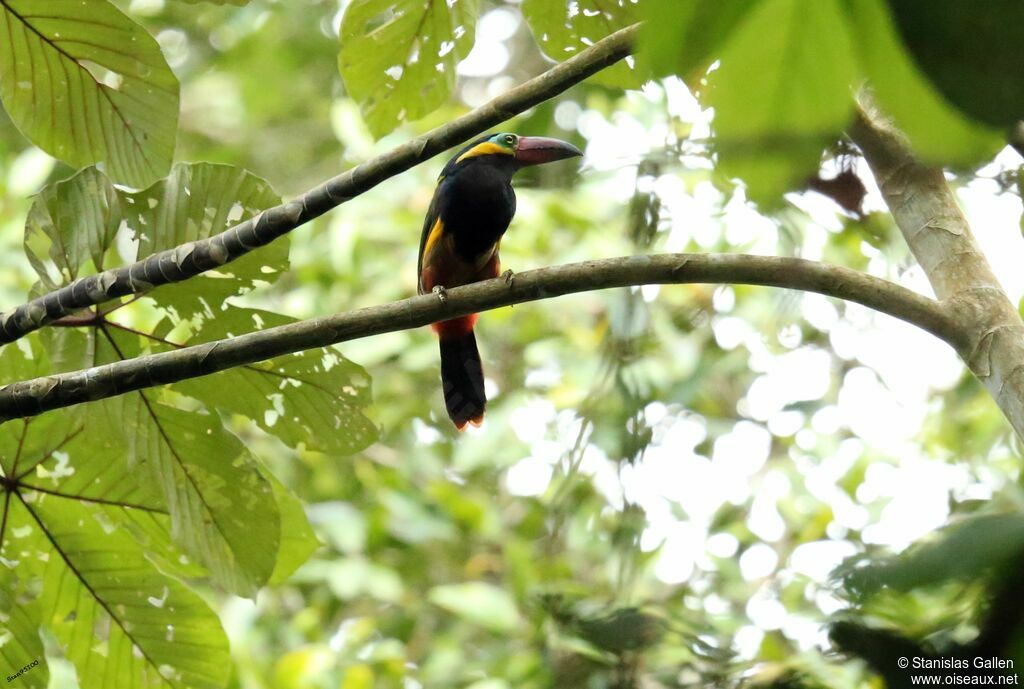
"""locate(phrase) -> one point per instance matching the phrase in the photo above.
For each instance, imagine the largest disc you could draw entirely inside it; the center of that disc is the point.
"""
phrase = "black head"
(510, 152)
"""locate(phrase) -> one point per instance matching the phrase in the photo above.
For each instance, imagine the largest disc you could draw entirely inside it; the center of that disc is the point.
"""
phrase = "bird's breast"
(477, 216)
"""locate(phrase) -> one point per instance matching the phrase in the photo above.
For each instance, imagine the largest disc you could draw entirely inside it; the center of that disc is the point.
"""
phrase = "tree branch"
(193, 258)
(991, 334)
(35, 396)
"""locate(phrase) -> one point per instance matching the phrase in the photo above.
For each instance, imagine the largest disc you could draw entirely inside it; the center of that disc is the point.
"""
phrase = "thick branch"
(990, 334)
(193, 258)
(41, 394)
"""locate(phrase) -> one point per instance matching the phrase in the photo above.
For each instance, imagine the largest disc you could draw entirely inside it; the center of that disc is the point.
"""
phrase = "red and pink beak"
(534, 150)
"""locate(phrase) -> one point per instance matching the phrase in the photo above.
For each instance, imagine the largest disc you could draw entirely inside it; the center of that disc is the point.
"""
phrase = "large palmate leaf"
(562, 29)
(196, 201)
(79, 533)
(87, 84)
(781, 93)
(314, 398)
(223, 511)
(96, 578)
(398, 57)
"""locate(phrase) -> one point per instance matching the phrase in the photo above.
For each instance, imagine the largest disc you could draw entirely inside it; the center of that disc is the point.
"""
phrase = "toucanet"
(471, 209)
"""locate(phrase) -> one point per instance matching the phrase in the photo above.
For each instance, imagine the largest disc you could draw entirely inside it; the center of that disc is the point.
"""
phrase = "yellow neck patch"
(485, 148)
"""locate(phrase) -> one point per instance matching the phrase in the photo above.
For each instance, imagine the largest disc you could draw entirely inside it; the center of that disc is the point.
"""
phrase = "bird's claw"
(442, 293)
(509, 276)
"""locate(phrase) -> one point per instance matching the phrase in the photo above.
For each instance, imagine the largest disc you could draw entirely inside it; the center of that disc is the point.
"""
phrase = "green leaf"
(938, 132)
(196, 201)
(70, 223)
(82, 460)
(961, 551)
(478, 603)
(682, 38)
(77, 220)
(98, 579)
(781, 93)
(563, 29)
(87, 84)
(314, 398)
(222, 509)
(298, 541)
(18, 364)
(982, 77)
(62, 532)
(625, 629)
(24, 443)
(20, 644)
(398, 57)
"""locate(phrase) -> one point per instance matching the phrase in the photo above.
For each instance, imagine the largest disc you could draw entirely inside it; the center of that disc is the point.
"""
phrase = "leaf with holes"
(75, 567)
(563, 29)
(87, 84)
(78, 220)
(95, 577)
(314, 398)
(398, 57)
(196, 201)
(223, 511)
(72, 222)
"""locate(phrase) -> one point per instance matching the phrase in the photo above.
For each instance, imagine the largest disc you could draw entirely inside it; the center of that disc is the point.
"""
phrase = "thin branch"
(193, 258)
(32, 397)
(139, 333)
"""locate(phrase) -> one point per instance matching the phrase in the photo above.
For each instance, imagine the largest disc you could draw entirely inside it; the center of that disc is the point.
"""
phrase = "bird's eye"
(510, 139)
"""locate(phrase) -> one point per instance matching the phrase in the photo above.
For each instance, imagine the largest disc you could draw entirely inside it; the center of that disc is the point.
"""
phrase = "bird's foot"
(510, 277)
(441, 292)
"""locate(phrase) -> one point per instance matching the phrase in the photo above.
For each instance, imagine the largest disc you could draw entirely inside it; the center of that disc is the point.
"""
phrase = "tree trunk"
(990, 334)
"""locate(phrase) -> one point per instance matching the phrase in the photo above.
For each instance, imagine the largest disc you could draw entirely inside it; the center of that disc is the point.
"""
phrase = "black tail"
(462, 377)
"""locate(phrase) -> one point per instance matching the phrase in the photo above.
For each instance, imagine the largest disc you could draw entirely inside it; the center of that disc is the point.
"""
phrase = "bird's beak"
(534, 150)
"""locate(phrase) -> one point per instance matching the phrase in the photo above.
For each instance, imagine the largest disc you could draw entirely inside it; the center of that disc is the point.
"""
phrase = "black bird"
(471, 209)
